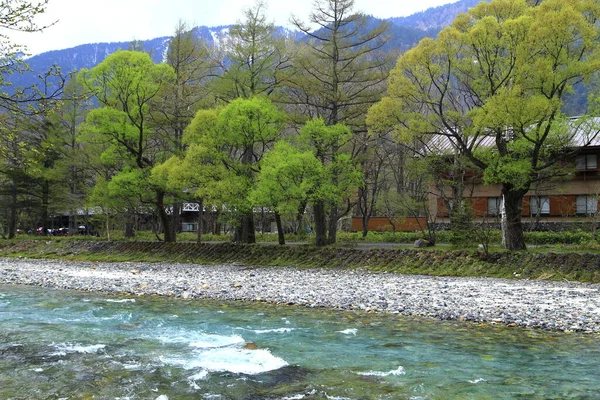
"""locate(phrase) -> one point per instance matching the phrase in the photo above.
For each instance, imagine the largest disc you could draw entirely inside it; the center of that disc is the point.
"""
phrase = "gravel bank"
(546, 305)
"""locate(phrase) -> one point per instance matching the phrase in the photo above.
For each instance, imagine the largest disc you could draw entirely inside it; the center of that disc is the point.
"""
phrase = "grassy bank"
(573, 266)
(577, 239)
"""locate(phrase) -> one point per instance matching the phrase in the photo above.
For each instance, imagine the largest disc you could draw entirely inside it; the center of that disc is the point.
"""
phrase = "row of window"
(586, 162)
(540, 205)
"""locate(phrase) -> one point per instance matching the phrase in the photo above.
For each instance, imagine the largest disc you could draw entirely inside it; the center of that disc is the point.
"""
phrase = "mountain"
(89, 55)
(405, 32)
(435, 18)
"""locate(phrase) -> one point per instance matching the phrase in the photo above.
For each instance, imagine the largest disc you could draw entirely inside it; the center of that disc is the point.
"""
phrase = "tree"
(340, 73)
(317, 172)
(491, 87)
(125, 83)
(287, 180)
(16, 183)
(174, 107)
(19, 16)
(226, 147)
(73, 165)
(340, 69)
(254, 59)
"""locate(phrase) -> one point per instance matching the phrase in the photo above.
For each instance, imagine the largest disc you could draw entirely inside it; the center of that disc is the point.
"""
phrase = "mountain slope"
(435, 18)
(405, 32)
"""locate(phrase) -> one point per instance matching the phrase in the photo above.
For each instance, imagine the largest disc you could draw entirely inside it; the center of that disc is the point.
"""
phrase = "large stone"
(421, 243)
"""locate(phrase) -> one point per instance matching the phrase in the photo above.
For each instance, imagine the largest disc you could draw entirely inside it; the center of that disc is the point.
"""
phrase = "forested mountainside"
(89, 55)
(405, 32)
(435, 18)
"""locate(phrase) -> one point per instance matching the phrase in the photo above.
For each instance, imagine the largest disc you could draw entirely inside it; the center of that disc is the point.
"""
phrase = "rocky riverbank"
(561, 306)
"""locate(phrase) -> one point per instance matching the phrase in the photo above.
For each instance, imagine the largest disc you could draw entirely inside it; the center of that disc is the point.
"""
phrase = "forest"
(306, 132)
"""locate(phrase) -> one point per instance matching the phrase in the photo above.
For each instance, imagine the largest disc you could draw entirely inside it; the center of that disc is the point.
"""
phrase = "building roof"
(579, 132)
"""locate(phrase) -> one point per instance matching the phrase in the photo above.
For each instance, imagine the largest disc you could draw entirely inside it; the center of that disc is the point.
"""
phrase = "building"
(573, 197)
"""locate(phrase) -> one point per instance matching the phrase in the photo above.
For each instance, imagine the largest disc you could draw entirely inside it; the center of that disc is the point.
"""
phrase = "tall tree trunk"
(365, 206)
(300, 218)
(200, 221)
(320, 224)
(365, 225)
(176, 219)
(129, 226)
(280, 233)
(245, 233)
(12, 213)
(164, 217)
(44, 209)
(333, 220)
(512, 228)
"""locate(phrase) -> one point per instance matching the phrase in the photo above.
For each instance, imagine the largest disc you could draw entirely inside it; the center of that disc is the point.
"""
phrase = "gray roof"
(579, 132)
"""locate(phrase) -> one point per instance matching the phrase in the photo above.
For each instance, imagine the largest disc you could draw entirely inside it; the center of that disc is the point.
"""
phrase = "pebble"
(548, 305)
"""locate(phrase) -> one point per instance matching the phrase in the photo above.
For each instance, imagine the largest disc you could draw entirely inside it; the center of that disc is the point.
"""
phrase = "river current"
(73, 345)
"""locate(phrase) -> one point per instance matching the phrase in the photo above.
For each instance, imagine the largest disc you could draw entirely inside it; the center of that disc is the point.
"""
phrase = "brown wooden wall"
(560, 206)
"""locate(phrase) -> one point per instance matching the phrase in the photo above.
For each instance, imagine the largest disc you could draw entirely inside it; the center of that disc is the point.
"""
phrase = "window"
(187, 227)
(539, 205)
(586, 162)
(494, 205)
(587, 205)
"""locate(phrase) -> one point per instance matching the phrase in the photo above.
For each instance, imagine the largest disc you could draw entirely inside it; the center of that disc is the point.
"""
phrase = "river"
(72, 345)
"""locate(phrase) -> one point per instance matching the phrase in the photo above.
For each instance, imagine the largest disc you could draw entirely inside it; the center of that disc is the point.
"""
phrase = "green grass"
(576, 240)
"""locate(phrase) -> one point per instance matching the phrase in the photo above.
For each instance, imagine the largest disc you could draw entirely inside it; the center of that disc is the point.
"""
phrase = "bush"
(567, 237)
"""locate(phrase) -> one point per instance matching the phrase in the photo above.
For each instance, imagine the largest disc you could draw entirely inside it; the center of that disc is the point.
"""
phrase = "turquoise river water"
(72, 345)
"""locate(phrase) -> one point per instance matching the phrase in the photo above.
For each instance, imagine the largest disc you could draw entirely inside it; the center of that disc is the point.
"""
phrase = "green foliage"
(255, 59)
(557, 238)
(491, 88)
(248, 124)
(462, 232)
(125, 83)
(225, 147)
(339, 174)
(288, 176)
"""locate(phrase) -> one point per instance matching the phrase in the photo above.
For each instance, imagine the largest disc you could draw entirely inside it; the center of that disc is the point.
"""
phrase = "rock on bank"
(548, 305)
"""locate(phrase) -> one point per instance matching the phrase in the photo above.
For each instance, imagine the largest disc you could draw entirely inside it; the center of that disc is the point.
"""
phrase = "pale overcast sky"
(87, 21)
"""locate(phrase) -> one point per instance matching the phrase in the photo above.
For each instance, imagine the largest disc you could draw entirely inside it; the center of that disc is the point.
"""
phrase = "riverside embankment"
(339, 282)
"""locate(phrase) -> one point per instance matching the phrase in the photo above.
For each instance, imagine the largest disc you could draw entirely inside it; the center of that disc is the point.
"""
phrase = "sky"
(86, 21)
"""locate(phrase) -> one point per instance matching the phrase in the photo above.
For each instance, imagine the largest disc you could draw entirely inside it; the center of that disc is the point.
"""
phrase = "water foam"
(198, 339)
(200, 376)
(352, 331)
(229, 359)
(476, 381)
(63, 349)
(215, 341)
(120, 301)
(399, 371)
(240, 361)
(278, 330)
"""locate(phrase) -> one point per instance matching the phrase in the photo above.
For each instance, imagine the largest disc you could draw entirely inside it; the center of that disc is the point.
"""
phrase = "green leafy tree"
(339, 73)
(125, 83)
(287, 179)
(342, 175)
(254, 60)
(315, 171)
(16, 184)
(73, 165)
(499, 75)
(174, 107)
(226, 146)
